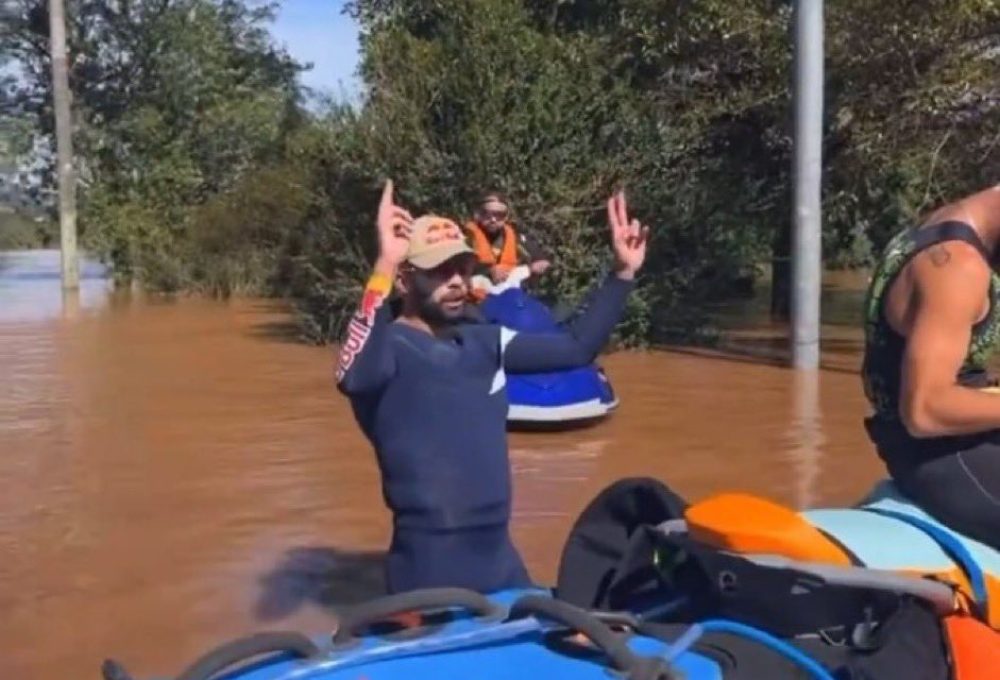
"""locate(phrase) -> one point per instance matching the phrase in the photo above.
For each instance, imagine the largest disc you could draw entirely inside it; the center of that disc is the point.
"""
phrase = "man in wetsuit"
(428, 391)
(499, 245)
(932, 321)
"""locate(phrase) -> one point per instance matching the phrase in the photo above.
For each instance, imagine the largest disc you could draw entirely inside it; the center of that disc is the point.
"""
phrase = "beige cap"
(434, 240)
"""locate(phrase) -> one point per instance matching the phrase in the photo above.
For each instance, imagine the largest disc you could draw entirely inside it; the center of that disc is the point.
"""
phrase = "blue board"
(883, 542)
(517, 657)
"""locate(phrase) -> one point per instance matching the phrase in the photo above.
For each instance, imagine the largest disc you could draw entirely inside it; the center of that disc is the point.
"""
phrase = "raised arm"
(541, 352)
(366, 361)
(589, 333)
(951, 281)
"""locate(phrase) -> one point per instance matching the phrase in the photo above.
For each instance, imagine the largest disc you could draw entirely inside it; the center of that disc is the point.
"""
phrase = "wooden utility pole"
(64, 145)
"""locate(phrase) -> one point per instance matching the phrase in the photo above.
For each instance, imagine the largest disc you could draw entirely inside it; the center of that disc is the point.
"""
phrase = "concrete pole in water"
(807, 258)
(64, 146)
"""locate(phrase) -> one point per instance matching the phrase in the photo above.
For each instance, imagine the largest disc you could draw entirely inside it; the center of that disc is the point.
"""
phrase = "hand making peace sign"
(628, 237)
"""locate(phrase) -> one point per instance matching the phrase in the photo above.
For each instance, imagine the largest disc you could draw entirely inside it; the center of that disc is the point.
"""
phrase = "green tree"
(200, 169)
(914, 99)
(466, 95)
(174, 102)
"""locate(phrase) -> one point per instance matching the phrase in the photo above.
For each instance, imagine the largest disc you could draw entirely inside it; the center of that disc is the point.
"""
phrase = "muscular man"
(428, 390)
(932, 321)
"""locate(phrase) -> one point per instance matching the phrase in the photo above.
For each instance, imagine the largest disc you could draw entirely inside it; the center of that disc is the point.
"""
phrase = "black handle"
(617, 618)
(622, 658)
(600, 635)
(365, 615)
(242, 649)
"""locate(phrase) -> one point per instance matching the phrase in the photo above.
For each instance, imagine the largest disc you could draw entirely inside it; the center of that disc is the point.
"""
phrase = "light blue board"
(885, 543)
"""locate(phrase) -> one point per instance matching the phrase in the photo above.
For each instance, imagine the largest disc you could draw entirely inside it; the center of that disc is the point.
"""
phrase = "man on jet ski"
(498, 245)
(428, 391)
(932, 321)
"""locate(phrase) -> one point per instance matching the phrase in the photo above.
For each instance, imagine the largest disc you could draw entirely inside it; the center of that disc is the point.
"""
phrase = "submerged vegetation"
(202, 169)
(19, 231)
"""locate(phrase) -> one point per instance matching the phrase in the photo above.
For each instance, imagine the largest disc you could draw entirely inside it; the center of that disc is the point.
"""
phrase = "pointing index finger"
(386, 194)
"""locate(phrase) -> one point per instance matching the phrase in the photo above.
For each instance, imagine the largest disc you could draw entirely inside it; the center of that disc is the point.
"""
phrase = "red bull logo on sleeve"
(358, 330)
(357, 334)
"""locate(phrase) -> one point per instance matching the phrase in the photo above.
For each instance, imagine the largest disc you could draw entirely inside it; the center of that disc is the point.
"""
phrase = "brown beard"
(429, 311)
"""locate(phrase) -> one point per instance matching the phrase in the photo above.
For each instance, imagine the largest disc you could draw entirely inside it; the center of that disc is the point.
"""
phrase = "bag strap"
(955, 549)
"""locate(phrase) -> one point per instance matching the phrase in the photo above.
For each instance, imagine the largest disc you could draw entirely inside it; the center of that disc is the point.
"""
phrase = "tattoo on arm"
(939, 255)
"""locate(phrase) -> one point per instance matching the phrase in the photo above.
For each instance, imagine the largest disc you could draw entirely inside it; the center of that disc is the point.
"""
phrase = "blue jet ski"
(566, 397)
(511, 635)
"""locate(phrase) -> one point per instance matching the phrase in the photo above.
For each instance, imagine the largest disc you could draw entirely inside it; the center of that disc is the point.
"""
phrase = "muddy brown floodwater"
(178, 473)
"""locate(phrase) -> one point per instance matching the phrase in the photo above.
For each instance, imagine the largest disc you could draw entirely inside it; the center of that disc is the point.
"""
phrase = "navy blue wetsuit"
(435, 410)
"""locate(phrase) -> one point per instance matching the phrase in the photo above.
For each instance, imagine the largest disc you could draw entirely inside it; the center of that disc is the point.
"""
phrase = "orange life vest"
(974, 647)
(484, 249)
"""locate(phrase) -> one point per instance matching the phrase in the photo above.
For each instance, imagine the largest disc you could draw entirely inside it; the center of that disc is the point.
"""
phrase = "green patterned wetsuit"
(884, 347)
(954, 478)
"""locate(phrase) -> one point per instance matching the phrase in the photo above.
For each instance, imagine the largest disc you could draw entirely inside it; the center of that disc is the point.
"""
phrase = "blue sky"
(313, 31)
(317, 31)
